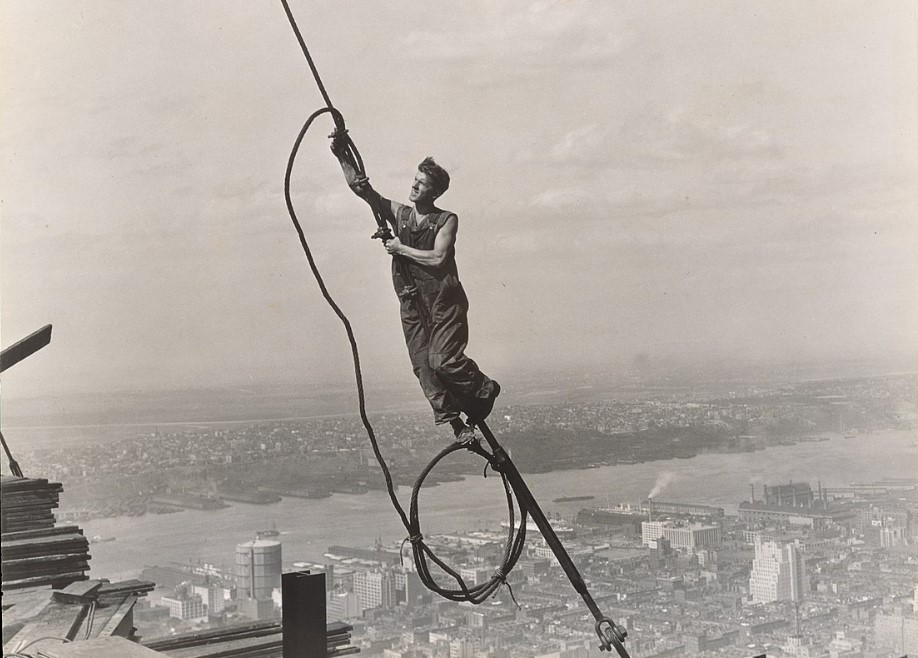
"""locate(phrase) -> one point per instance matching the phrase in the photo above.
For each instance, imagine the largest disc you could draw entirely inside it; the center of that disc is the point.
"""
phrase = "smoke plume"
(663, 480)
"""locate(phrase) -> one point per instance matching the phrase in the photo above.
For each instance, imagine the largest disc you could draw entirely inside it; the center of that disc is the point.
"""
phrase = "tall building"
(650, 531)
(212, 596)
(343, 605)
(409, 590)
(462, 647)
(893, 537)
(897, 631)
(778, 572)
(375, 589)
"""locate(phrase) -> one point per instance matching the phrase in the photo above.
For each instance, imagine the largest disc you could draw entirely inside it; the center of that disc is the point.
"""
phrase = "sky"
(692, 180)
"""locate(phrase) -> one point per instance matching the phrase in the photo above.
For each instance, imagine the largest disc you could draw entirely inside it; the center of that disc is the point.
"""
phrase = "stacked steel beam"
(34, 552)
(246, 640)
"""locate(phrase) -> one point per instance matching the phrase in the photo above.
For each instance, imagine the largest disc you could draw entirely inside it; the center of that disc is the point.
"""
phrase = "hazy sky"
(701, 178)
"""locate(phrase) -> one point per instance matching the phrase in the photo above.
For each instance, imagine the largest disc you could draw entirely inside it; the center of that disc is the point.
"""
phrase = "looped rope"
(422, 553)
(424, 556)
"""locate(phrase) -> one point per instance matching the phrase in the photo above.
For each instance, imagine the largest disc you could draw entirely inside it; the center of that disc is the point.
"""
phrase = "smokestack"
(650, 509)
(751, 492)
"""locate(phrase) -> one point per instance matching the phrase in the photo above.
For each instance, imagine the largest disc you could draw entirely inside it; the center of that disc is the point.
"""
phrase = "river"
(309, 527)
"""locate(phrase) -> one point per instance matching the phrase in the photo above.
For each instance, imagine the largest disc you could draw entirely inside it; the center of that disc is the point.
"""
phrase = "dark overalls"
(435, 321)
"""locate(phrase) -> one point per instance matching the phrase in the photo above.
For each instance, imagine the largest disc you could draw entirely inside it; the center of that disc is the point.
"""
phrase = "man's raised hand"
(339, 142)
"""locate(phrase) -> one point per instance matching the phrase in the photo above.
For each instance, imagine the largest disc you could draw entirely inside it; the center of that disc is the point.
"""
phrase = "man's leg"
(449, 335)
(445, 407)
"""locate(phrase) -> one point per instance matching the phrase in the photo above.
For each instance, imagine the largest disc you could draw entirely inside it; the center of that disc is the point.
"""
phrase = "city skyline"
(772, 516)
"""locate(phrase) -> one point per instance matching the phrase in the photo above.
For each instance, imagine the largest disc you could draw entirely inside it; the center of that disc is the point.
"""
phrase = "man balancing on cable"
(433, 305)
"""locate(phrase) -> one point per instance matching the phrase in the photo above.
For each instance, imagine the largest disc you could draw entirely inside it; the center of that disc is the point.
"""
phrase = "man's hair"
(437, 175)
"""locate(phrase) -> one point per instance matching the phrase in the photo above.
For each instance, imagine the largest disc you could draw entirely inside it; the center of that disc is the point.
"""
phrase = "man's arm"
(360, 185)
(444, 246)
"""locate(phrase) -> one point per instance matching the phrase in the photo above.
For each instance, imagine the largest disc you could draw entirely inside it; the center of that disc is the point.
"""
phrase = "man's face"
(422, 190)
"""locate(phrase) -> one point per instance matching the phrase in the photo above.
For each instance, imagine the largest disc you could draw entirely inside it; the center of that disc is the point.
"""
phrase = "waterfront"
(309, 526)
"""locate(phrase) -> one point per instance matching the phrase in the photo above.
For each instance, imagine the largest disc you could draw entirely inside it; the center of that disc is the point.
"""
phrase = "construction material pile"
(76, 615)
(34, 552)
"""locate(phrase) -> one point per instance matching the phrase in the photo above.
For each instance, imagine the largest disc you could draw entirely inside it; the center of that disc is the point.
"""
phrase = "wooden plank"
(26, 495)
(56, 620)
(24, 553)
(24, 604)
(50, 541)
(115, 615)
(134, 586)
(60, 580)
(46, 572)
(85, 588)
(17, 500)
(34, 534)
(99, 647)
(47, 564)
(26, 512)
(39, 523)
(16, 482)
(45, 548)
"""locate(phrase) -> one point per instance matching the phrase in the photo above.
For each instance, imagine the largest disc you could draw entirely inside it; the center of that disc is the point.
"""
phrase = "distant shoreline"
(175, 423)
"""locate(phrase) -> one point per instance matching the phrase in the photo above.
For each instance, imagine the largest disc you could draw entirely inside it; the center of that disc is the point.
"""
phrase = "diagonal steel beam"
(25, 347)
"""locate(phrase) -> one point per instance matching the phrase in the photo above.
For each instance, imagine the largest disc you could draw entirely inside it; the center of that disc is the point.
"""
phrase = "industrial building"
(682, 537)
(258, 574)
(186, 606)
(652, 507)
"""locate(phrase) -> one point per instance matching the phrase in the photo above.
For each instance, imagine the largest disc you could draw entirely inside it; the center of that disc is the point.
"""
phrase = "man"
(433, 305)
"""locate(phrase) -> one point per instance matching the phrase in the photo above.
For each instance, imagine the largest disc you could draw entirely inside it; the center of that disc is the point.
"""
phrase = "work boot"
(464, 433)
(482, 407)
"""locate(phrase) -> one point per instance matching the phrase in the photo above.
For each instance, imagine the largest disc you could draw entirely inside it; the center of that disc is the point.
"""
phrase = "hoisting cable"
(610, 634)
(421, 552)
